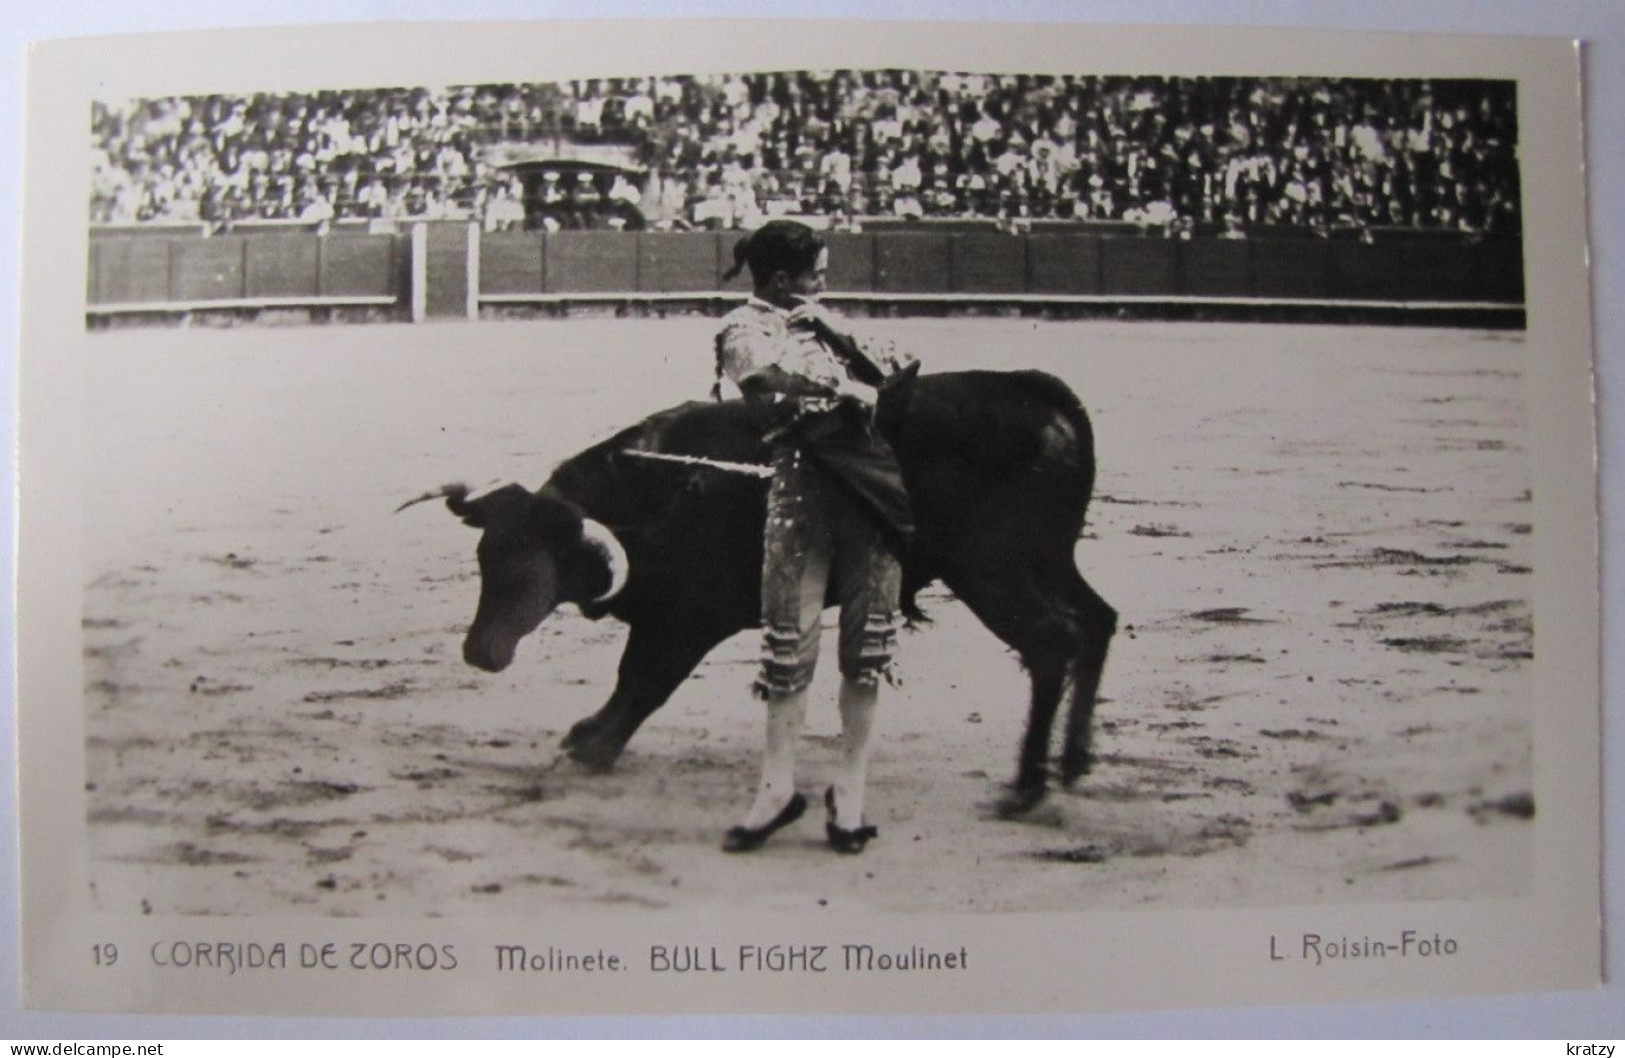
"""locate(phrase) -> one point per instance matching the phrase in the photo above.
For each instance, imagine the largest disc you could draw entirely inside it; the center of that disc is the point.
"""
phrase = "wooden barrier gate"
(449, 269)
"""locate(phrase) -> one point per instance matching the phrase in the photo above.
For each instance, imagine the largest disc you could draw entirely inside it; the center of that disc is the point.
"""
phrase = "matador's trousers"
(817, 535)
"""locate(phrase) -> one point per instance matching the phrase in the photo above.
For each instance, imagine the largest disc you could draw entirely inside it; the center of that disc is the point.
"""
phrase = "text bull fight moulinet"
(661, 526)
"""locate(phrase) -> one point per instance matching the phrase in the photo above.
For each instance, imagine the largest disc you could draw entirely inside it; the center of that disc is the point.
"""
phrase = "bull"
(999, 468)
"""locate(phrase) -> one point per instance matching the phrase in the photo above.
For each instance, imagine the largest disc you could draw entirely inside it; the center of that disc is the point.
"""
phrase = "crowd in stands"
(729, 150)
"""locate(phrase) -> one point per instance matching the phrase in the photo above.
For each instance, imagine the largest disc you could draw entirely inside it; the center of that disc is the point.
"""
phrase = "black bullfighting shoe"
(850, 842)
(749, 839)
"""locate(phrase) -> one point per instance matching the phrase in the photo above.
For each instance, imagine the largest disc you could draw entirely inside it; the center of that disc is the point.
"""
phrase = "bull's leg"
(917, 574)
(1025, 612)
(1032, 774)
(656, 661)
(1098, 623)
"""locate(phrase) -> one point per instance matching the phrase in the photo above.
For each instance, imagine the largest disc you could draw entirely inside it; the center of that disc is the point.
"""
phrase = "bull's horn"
(601, 541)
(460, 492)
(457, 493)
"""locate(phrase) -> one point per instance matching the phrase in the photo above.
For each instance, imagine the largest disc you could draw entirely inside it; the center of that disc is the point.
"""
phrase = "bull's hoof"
(1074, 768)
(580, 732)
(1019, 800)
(749, 839)
(593, 757)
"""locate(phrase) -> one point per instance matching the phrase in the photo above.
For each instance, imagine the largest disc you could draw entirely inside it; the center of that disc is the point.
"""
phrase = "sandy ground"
(1318, 538)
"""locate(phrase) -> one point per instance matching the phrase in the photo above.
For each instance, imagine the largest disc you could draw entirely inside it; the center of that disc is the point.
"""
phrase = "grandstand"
(1183, 155)
(1262, 198)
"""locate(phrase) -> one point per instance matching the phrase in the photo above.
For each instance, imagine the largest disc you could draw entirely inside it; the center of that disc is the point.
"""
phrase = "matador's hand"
(812, 314)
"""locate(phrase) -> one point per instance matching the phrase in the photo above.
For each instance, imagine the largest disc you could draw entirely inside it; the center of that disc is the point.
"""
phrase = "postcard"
(800, 517)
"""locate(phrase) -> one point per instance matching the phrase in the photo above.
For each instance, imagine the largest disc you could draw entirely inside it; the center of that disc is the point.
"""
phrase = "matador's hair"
(778, 245)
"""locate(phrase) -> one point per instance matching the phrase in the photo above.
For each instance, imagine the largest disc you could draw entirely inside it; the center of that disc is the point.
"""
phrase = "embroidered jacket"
(758, 335)
(838, 436)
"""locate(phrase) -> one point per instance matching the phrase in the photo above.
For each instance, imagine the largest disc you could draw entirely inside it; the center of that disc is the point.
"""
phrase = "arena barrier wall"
(851, 262)
(178, 274)
(449, 269)
(530, 266)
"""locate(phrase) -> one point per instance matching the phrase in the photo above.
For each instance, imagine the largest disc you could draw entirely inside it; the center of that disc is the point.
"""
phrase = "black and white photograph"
(910, 503)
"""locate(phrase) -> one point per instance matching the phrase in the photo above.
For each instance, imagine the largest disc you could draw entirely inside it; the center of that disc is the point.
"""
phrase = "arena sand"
(1319, 540)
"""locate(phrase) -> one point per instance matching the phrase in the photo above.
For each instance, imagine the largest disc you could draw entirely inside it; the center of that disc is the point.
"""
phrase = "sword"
(755, 470)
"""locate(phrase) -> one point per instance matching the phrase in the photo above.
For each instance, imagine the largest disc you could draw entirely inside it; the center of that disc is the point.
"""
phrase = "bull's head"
(535, 552)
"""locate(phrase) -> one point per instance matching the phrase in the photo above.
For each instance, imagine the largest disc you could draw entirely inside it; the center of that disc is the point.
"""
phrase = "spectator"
(503, 208)
(1309, 152)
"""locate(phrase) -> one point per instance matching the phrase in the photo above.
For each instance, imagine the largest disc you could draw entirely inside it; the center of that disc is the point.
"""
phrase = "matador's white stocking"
(785, 714)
